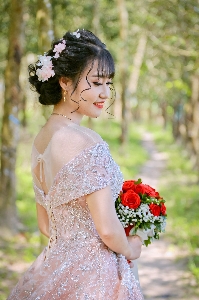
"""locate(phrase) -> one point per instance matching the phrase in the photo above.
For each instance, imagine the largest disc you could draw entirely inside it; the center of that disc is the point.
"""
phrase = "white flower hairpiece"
(59, 48)
(76, 33)
(45, 62)
(46, 71)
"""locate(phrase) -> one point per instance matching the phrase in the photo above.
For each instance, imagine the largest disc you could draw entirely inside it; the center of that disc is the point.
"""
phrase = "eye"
(97, 83)
(109, 83)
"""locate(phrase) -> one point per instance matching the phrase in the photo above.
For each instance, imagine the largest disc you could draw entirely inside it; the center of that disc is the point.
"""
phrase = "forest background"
(155, 47)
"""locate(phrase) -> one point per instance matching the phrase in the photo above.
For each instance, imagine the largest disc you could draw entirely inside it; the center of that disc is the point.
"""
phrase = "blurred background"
(155, 47)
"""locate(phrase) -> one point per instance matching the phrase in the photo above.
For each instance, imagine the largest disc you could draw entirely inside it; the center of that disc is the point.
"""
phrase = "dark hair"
(73, 60)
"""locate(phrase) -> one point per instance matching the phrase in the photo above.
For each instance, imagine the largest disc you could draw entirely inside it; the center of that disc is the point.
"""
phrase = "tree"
(10, 123)
(45, 38)
(137, 63)
(123, 14)
(45, 31)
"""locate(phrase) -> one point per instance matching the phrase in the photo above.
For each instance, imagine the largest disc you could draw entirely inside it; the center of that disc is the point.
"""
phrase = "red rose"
(140, 188)
(155, 209)
(150, 191)
(131, 199)
(128, 229)
(128, 185)
(157, 195)
(163, 209)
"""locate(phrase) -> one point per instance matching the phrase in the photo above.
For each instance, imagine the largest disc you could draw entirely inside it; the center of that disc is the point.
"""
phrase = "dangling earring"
(65, 96)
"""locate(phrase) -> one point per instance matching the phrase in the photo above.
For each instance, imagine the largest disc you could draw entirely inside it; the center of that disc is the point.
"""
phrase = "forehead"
(95, 69)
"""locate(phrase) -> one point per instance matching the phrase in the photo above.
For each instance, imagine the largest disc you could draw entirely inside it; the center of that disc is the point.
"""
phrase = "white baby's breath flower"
(76, 33)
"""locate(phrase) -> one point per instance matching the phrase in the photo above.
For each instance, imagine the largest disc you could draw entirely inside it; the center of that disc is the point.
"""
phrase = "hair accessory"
(76, 33)
(46, 70)
(45, 62)
(59, 48)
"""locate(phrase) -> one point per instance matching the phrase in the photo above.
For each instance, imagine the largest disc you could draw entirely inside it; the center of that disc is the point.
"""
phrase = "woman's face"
(91, 93)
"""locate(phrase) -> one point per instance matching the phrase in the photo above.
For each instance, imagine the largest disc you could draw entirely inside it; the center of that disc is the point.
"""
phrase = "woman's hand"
(135, 244)
(108, 226)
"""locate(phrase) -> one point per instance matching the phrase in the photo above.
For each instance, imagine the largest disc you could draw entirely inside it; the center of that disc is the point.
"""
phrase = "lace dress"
(76, 264)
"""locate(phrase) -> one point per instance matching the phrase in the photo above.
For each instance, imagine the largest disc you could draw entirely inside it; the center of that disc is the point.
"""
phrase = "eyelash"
(97, 83)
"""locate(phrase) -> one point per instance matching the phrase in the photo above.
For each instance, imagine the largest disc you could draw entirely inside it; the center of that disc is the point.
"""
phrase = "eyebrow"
(100, 76)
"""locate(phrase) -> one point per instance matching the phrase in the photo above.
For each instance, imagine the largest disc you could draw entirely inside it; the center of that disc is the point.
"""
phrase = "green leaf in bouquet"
(147, 225)
(158, 227)
(147, 242)
(138, 181)
(133, 230)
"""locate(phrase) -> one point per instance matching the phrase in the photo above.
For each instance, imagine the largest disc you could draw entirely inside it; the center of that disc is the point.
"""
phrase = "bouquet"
(141, 210)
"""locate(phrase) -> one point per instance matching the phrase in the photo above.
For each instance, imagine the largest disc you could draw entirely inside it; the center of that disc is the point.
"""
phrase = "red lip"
(99, 104)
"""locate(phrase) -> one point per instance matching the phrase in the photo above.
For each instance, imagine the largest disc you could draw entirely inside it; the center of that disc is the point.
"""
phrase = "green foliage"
(25, 194)
(129, 158)
(170, 27)
(4, 21)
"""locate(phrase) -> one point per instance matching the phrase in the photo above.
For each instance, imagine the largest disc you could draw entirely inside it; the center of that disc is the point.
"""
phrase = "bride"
(76, 182)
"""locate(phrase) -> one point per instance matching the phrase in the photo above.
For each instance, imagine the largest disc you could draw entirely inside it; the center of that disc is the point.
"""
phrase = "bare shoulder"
(68, 142)
(71, 137)
(75, 136)
(44, 136)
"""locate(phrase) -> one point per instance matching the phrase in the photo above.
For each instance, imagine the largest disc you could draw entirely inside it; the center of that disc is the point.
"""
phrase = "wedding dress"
(76, 264)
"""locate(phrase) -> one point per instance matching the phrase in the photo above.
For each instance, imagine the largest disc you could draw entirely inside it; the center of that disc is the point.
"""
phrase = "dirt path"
(162, 275)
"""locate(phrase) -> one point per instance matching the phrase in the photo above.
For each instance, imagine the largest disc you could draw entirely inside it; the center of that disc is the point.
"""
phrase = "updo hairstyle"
(77, 55)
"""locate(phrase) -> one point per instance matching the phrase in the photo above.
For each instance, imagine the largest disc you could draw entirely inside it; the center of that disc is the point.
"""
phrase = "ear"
(65, 83)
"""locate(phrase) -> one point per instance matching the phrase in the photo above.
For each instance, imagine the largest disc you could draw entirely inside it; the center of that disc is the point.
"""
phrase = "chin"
(94, 115)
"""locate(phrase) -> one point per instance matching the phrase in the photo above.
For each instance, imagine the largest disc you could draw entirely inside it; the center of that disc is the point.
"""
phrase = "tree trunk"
(137, 63)
(163, 106)
(177, 119)
(45, 33)
(193, 123)
(96, 17)
(10, 123)
(123, 66)
(45, 38)
(24, 84)
(96, 31)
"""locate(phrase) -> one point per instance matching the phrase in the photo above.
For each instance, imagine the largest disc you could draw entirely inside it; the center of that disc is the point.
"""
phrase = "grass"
(131, 157)
(180, 187)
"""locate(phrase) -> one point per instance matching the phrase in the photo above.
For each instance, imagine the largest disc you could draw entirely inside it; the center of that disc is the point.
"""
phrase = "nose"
(105, 93)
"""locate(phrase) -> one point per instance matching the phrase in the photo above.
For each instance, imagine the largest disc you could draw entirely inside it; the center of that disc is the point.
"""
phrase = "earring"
(65, 96)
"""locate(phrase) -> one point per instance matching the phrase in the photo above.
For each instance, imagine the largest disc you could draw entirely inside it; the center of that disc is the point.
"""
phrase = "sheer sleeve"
(39, 195)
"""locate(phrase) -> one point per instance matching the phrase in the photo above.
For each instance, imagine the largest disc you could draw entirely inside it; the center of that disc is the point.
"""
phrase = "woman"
(76, 182)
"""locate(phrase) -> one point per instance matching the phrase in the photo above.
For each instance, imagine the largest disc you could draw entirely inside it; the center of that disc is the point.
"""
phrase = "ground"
(162, 266)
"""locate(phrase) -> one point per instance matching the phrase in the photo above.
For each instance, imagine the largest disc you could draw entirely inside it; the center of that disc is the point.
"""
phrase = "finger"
(131, 264)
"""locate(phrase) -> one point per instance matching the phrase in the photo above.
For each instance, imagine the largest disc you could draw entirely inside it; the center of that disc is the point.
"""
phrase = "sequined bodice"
(69, 216)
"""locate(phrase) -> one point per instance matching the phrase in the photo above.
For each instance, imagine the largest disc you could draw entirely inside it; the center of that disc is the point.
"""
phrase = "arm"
(108, 226)
(42, 219)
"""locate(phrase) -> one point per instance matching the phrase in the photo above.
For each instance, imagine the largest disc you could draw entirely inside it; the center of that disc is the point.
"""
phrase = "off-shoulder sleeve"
(93, 169)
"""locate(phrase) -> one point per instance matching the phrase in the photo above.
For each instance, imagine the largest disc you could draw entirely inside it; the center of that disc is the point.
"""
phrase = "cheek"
(110, 91)
(90, 95)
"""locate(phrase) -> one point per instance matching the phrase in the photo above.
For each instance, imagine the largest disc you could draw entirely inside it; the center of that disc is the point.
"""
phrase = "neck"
(73, 117)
